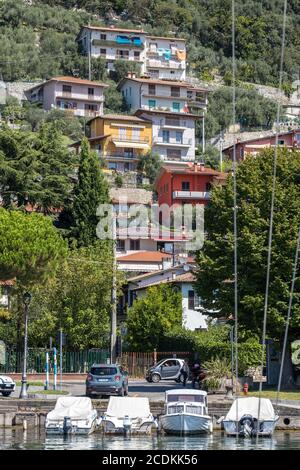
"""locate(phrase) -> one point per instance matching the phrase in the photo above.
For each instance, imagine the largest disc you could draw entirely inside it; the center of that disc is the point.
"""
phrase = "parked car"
(107, 379)
(166, 369)
(7, 385)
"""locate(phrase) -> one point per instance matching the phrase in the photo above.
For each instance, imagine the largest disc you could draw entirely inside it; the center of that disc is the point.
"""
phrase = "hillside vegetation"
(38, 39)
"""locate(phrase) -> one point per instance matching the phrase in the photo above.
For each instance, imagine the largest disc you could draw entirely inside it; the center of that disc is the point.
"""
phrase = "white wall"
(191, 319)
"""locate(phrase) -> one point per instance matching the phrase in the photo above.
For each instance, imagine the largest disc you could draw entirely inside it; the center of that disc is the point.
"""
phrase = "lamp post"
(26, 301)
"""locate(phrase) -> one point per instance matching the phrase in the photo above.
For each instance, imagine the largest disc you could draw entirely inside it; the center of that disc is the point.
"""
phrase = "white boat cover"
(134, 407)
(73, 407)
(249, 406)
(182, 391)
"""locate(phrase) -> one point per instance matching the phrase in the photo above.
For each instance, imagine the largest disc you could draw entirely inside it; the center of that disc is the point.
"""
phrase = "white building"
(165, 58)
(182, 278)
(158, 57)
(79, 97)
(173, 135)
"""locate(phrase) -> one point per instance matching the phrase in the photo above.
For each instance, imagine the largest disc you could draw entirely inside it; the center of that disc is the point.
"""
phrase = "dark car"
(107, 379)
(166, 369)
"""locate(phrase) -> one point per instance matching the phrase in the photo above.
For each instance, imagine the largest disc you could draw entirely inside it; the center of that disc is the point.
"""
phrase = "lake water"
(36, 439)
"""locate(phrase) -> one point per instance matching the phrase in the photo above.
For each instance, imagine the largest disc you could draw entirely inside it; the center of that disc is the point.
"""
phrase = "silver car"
(7, 385)
(166, 369)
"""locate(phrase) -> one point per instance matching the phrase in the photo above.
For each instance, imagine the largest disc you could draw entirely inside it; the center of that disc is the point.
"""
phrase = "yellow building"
(120, 140)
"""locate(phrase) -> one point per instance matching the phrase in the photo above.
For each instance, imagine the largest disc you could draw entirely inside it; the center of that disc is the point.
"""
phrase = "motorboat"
(242, 418)
(186, 412)
(72, 415)
(128, 415)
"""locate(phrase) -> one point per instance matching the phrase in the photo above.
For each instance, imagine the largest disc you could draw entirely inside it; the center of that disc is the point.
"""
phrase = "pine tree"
(91, 190)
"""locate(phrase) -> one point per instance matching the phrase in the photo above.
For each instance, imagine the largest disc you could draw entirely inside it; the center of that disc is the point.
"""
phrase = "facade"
(290, 140)
(77, 96)
(121, 140)
(158, 57)
(144, 261)
(181, 277)
(186, 183)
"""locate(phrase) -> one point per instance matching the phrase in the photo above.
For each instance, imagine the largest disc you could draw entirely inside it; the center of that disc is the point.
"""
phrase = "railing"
(164, 94)
(173, 123)
(73, 361)
(109, 43)
(168, 64)
(119, 156)
(67, 94)
(191, 194)
(136, 363)
(161, 140)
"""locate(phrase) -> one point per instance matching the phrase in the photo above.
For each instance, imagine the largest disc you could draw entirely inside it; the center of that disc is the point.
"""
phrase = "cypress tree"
(91, 190)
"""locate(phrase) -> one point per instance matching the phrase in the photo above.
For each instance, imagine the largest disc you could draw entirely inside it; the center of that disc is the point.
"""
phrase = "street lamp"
(26, 301)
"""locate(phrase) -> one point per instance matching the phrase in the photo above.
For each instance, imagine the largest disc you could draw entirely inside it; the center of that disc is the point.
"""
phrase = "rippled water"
(36, 439)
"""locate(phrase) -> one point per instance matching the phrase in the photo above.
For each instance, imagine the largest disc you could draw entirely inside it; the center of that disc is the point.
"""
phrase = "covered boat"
(72, 415)
(242, 418)
(186, 412)
(128, 414)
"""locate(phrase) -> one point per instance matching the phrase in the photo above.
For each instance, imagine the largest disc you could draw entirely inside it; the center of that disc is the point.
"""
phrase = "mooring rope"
(271, 217)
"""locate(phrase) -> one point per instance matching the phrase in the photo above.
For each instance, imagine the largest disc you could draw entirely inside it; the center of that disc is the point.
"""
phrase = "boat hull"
(266, 428)
(116, 427)
(184, 423)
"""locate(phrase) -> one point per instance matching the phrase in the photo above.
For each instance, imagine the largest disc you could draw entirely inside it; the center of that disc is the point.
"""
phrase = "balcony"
(174, 123)
(191, 195)
(133, 139)
(173, 142)
(107, 43)
(164, 64)
(127, 57)
(164, 94)
(119, 157)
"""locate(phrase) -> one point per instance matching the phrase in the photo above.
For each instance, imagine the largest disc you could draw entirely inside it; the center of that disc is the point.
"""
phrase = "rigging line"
(235, 212)
(271, 216)
(288, 316)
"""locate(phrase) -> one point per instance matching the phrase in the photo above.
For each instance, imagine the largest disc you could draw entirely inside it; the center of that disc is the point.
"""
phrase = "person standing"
(184, 372)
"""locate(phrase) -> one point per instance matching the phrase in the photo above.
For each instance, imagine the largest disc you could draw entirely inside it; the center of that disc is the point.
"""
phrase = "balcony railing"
(67, 94)
(164, 94)
(119, 156)
(191, 195)
(173, 123)
(133, 139)
(161, 140)
(165, 64)
(109, 43)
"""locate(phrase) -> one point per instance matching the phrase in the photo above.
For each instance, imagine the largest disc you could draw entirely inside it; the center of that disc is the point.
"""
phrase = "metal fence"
(72, 361)
(136, 363)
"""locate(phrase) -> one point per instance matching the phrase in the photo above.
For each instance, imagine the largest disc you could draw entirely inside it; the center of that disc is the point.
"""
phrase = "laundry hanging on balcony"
(123, 40)
(137, 41)
(180, 54)
(165, 53)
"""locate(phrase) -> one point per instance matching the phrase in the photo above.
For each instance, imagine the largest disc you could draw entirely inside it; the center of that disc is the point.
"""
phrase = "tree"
(150, 164)
(151, 316)
(90, 191)
(215, 262)
(122, 67)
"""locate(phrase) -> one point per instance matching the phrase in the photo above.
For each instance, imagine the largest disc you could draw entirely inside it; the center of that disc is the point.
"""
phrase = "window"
(122, 54)
(185, 186)
(176, 107)
(103, 52)
(136, 55)
(208, 187)
(151, 104)
(136, 134)
(175, 91)
(281, 142)
(179, 137)
(134, 244)
(166, 136)
(90, 107)
(173, 154)
(173, 121)
(103, 37)
(128, 153)
(91, 91)
(191, 300)
(120, 245)
(151, 89)
(122, 133)
(67, 88)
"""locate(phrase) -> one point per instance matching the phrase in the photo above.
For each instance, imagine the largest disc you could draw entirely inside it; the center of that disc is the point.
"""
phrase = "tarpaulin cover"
(73, 407)
(134, 407)
(249, 406)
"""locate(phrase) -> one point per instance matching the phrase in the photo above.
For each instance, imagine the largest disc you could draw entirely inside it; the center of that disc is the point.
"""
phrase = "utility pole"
(60, 357)
(221, 151)
(113, 336)
(89, 56)
(203, 132)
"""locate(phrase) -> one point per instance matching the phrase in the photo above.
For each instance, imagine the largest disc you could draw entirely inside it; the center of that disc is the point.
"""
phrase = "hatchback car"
(7, 385)
(107, 379)
(166, 369)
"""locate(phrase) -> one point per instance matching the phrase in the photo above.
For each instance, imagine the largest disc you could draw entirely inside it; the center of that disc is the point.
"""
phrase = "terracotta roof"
(112, 28)
(145, 256)
(169, 113)
(181, 278)
(157, 82)
(267, 136)
(75, 80)
(161, 272)
(123, 117)
(168, 38)
(7, 282)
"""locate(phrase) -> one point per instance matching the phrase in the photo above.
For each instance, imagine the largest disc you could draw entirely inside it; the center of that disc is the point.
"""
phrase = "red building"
(290, 140)
(183, 182)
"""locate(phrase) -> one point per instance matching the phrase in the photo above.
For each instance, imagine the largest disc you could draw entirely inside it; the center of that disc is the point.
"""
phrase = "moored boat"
(72, 415)
(186, 412)
(128, 415)
(244, 417)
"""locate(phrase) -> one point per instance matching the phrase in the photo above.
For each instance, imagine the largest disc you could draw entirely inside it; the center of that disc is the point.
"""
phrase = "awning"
(131, 145)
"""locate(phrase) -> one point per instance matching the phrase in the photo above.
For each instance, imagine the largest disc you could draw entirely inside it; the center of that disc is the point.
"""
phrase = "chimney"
(131, 74)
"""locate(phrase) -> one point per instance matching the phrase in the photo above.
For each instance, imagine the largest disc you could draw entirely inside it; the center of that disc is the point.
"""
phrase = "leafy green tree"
(114, 100)
(215, 261)
(151, 316)
(122, 67)
(90, 191)
(149, 164)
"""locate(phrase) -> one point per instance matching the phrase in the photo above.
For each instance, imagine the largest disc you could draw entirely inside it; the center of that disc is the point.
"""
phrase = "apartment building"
(158, 57)
(186, 183)
(113, 44)
(77, 96)
(120, 140)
